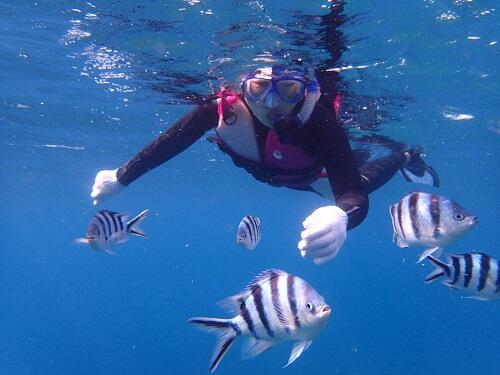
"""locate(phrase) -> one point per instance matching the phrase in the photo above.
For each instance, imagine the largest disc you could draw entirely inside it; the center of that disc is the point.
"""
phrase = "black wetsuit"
(322, 135)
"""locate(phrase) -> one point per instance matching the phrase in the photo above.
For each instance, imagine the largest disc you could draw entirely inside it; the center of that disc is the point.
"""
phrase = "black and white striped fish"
(273, 308)
(248, 234)
(474, 273)
(108, 228)
(428, 220)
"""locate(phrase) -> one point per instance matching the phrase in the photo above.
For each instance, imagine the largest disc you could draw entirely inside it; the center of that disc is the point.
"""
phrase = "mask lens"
(291, 91)
(257, 88)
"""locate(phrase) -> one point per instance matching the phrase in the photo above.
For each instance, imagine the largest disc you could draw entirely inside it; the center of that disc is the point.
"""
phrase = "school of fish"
(276, 306)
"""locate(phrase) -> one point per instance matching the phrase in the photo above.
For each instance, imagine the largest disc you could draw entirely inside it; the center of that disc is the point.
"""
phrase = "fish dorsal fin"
(298, 348)
(264, 276)
(109, 212)
(415, 191)
(253, 347)
(232, 304)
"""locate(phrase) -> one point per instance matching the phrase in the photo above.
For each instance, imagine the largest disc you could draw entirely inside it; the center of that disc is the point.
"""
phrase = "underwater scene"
(249, 187)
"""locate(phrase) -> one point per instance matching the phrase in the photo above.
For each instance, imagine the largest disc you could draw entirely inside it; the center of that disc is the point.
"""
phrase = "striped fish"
(474, 273)
(428, 220)
(248, 235)
(108, 228)
(273, 308)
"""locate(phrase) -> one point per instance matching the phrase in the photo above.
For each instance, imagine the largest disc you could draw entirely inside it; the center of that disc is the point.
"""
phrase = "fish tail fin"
(441, 269)
(131, 225)
(428, 252)
(227, 331)
(81, 241)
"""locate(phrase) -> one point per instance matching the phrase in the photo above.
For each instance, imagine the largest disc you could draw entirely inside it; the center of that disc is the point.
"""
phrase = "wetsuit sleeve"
(336, 155)
(182, 134)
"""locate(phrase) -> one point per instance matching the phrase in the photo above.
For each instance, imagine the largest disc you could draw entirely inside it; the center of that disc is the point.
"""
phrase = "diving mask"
(289, 89)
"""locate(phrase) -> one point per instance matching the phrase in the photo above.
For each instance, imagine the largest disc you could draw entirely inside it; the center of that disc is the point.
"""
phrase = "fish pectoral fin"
(106, 247)
(450, 285)
(253, 347)
(117, 238)
(399, 241)
(298, 348)
(477, 298)
(440, 231)
(428, 252)
(81, 241)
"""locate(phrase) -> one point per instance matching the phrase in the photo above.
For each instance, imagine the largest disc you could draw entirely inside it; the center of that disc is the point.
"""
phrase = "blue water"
(85, 85)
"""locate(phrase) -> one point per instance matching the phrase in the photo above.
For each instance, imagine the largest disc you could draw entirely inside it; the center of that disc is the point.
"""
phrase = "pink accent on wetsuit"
(280, 155)
(337, 102)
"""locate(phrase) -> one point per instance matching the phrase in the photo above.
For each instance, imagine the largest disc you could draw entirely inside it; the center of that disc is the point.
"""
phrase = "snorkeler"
(278, 132)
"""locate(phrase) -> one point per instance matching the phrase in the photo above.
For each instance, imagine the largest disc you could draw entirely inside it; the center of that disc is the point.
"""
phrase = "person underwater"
(279, 133)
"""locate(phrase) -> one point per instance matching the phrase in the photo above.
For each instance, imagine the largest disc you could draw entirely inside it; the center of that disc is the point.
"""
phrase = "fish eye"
(309, 306)
(458, 216)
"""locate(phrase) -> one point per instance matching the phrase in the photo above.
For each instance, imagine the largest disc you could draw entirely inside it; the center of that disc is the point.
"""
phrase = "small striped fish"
(273, 308)
(108, 228)
(428, 220)
(476, 274)
(248, 234)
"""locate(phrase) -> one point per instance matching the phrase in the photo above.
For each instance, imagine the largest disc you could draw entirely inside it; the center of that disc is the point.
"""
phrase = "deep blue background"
(79, 92)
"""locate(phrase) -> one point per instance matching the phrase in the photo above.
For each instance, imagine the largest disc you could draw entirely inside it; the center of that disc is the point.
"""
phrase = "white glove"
(105, 185)
(325, 231)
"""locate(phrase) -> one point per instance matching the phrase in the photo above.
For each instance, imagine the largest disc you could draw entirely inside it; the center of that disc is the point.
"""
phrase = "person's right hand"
(105, 185)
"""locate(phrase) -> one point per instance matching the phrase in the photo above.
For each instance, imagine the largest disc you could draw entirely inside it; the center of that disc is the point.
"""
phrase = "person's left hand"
(325, 231)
